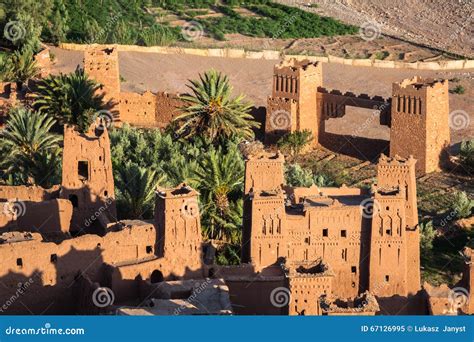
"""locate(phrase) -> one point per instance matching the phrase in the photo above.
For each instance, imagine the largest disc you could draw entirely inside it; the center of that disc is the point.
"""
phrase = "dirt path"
(446, 25)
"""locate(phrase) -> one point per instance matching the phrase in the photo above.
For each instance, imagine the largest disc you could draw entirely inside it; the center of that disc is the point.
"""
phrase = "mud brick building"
(417, 113)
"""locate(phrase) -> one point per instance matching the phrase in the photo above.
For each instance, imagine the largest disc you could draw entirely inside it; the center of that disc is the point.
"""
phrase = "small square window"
(54, 258)
(354, 269)
(83, 169)
(19, 262)
(343, 233)
(149, 249)
(325, 232)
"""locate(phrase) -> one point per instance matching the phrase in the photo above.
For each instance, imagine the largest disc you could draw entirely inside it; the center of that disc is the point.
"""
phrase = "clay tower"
(179, 225)
(101, 64)
(87, 179)
(292, 106)
(420, 121)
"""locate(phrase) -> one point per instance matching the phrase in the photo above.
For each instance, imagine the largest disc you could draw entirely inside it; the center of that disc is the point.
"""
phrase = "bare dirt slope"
(441, 24)
(158, 72)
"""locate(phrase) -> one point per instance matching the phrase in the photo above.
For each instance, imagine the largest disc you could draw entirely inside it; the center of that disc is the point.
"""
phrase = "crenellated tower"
(292, 106)
(395, 234)
(178, 222)
(420, 121)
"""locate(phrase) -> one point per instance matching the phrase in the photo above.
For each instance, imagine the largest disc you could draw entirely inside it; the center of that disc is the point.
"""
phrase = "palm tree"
(72, 99)
(30, 149)
(20, 66)
(211, 111)
(136, 190)
(219, 179)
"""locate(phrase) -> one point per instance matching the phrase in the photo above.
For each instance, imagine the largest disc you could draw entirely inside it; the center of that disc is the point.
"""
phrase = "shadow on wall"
(354, 146)
(51, 290)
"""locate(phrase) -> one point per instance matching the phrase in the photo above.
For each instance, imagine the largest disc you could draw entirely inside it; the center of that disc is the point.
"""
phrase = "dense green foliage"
(133, 22)
(70, 98)
(462, 205)
(30, 151)
(295, 175)
(143, 159)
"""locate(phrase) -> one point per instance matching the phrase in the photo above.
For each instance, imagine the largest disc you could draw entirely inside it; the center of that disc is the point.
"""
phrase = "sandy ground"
(446, 25)
(158, 72)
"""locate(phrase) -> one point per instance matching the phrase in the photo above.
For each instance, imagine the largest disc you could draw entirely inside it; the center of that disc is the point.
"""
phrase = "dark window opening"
(387, 278)
(325, 232)
(83, 169)
(74, 200)
(343, 233)
(106, 193)
(19, 262)
(354, 269)
(54, 258)
(156, 277)
(149, 249)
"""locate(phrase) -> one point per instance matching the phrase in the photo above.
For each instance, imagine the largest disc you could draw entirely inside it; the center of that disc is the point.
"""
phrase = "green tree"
(31, 151)
(211, 111)
(57, 27)
(219, 180)
(293, 143)
(466, 154)
(136, 194)
(462, 205)
(20, 66)
(427, 235)
(71, 99)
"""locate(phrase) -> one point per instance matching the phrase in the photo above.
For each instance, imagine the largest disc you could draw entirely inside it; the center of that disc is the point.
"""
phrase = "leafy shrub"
(466, 154)
(427, 235)
(462, 205)
(459, 89)
(293, 143)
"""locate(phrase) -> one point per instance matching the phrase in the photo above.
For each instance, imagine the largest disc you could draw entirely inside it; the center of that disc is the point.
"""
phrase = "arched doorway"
(156, 277)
